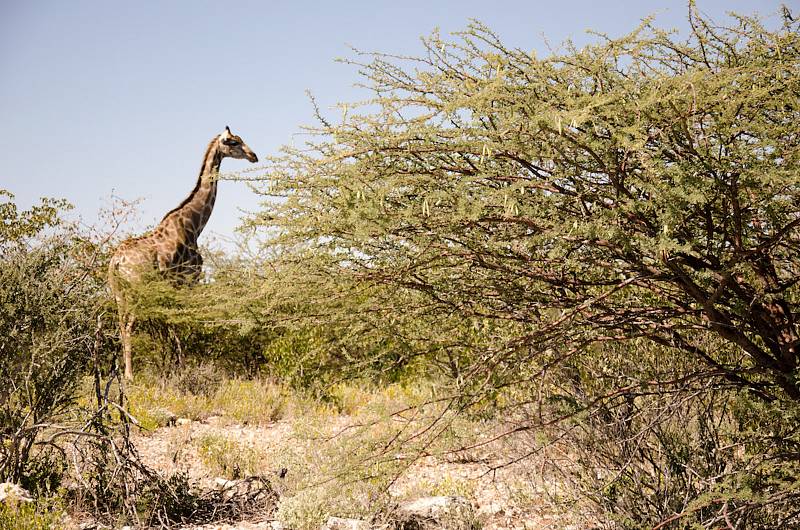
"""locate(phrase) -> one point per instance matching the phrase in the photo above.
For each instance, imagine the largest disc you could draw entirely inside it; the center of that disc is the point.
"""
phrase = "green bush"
(50, 329)
(29, 516)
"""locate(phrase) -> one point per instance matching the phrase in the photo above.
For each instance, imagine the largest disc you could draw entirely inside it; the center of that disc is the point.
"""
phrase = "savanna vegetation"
(588, 260)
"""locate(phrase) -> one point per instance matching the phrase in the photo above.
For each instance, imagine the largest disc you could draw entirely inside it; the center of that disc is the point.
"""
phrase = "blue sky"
(100, 97)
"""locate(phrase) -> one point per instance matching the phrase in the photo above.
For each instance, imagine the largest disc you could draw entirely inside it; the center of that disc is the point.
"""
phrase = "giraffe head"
(233, 146)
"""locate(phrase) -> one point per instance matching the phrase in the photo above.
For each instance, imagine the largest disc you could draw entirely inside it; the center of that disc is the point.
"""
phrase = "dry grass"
(229, 458)
(355, 453)
(249, 402)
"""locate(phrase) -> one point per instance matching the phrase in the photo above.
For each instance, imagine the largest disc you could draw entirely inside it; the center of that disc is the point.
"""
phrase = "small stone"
(11, 493)
(342, 523)
(183, 421)
(230, 488)
(223, 483)
(432, 509)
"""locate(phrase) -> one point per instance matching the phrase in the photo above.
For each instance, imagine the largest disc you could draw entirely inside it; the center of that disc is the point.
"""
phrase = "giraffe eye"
(230, 142)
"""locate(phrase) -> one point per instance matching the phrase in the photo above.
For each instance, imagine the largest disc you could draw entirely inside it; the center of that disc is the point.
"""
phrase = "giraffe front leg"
(126, 329)
(178, 347)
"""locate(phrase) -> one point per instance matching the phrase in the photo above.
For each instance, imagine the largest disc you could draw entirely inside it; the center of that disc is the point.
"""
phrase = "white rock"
(11, 493)
(183, 421)
(435, 507)
(341, 523)
(223, 483)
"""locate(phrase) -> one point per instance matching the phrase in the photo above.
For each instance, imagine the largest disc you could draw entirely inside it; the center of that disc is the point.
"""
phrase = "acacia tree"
(611, 230)
(643, 187)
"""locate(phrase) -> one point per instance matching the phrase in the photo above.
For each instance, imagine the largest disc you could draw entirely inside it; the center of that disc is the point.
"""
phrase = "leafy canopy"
(643, 187)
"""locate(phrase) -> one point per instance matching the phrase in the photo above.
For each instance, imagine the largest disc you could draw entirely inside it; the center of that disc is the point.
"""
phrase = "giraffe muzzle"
(251, 156)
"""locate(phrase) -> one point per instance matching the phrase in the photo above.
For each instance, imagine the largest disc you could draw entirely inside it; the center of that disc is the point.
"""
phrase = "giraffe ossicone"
(170, 249)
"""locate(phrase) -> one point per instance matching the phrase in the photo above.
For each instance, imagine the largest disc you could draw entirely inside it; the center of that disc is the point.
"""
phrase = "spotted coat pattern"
(171, 249)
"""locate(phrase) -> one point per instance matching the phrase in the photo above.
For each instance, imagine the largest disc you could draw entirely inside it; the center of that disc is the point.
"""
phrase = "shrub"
(51, 330)
(29, 516)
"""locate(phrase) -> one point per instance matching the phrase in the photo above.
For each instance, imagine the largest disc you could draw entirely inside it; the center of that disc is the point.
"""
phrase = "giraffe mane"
(197, 184)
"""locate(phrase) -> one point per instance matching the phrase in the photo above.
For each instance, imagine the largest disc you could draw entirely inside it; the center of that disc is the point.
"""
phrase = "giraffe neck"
(187, 221)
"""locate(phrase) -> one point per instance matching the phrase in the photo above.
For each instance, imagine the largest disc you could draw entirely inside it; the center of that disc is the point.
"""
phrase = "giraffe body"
(170, 250)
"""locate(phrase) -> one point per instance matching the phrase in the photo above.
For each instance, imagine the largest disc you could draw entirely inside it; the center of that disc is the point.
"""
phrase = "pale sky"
(102, 97)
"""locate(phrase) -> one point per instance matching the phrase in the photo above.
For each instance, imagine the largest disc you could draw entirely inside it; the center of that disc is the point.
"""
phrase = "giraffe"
(170, 250)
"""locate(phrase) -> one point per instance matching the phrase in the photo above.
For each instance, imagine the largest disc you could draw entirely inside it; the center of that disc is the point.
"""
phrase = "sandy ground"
(508, 498)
